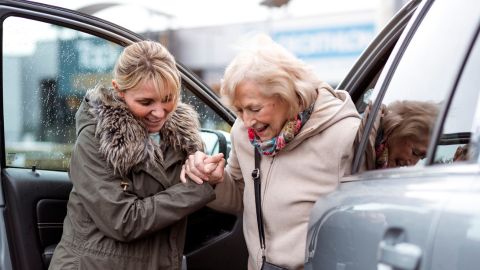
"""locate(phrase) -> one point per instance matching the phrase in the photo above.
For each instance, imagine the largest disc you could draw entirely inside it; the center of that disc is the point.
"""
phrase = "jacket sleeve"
(122, 215)
(229, 193)
(346, 149)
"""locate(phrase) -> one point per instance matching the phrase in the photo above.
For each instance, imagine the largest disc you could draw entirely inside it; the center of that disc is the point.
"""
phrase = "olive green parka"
(128, 208)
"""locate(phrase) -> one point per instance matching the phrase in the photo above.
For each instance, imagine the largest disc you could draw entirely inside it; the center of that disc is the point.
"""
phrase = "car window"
(463, 113)
(366, 97)
(208, 118)
(47, 70)
(416, 92)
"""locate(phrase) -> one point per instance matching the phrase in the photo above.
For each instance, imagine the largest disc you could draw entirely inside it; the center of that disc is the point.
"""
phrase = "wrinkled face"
(148, 104)
(406, 151)
(266, 115)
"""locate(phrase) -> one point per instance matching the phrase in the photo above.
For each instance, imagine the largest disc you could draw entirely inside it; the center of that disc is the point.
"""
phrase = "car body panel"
(358, 216)
(457, 238)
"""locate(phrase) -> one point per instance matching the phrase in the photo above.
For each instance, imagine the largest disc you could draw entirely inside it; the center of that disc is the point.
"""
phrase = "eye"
(419, 153)
(145, 102)
(254, 109)
(167, 99)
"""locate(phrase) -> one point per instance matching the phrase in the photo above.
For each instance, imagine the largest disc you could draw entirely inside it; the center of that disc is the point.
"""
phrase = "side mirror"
(216, 141)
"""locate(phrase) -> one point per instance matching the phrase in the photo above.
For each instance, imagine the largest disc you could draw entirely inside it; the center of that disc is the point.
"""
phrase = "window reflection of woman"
(401, 134)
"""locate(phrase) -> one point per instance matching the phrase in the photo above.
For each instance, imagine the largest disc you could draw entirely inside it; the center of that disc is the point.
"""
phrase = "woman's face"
(406, 151)
(265, 115)
(147, 104)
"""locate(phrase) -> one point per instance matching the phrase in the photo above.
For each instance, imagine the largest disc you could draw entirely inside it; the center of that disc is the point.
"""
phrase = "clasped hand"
(201, 167)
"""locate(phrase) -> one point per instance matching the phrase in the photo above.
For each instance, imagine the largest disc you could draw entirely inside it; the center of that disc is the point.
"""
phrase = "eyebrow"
(140, 99)
(250, 105)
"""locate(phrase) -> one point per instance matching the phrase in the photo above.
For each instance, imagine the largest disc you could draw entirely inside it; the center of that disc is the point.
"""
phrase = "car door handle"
(396, 253)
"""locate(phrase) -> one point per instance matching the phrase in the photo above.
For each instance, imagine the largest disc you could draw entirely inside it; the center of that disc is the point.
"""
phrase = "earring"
(124, 184)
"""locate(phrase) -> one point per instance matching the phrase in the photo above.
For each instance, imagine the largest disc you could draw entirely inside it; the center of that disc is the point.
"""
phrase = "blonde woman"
(127, 208)
(304, 131)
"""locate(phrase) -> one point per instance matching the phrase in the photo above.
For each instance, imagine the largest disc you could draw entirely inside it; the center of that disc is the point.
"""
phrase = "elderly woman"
(304, 131)
(127, 208)
(400, 134)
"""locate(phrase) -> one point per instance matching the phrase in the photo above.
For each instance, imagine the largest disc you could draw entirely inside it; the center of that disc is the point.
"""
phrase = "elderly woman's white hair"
(410, 118)
(276, 71)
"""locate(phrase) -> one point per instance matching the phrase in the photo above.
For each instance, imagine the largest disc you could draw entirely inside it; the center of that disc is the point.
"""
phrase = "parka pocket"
(91, 261)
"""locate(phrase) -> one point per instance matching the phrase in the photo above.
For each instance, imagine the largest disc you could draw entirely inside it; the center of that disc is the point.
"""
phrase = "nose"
(159, 111)
(414, 160)
(248, 120)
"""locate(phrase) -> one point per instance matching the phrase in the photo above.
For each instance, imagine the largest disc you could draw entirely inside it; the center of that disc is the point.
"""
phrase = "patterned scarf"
(381, 151)
(289, 131)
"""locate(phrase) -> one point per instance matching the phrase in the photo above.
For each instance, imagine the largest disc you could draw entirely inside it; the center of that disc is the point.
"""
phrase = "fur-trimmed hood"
(124, 140)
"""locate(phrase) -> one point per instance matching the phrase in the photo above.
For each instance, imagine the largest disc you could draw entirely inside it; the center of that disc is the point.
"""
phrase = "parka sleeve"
(121, 215)
(229, 193)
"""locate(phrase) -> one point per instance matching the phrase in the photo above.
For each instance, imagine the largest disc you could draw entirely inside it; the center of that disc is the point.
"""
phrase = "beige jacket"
(309, 167)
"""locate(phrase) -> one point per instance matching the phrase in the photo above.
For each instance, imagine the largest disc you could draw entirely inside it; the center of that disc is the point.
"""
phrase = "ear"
(115, 85)
(117, 89)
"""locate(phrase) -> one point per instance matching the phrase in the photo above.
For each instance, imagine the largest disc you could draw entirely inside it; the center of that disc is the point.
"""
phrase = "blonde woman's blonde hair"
(148, 61)
(276, 71)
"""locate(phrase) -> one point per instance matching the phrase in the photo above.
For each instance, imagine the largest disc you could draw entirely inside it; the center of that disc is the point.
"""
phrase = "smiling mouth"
(401, 163)
(150, 122)
(260, 129)
(152, 118)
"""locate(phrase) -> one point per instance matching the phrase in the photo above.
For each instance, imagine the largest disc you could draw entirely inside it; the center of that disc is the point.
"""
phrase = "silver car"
(425, 216)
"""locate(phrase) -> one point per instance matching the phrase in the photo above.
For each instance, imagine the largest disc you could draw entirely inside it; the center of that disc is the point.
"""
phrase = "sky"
(140, 15)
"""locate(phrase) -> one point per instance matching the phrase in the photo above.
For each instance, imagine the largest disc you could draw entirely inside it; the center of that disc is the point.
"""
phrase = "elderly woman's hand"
(200, 167)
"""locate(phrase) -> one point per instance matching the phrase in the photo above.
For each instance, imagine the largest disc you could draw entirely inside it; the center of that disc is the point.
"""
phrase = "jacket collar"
(331, 106)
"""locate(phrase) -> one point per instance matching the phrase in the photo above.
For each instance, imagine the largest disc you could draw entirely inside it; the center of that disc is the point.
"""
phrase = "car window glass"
(418, 87)
(367, 96)
(210, 122)
(363, 92)
(453, 144)
(47, 70)
(208, 118)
